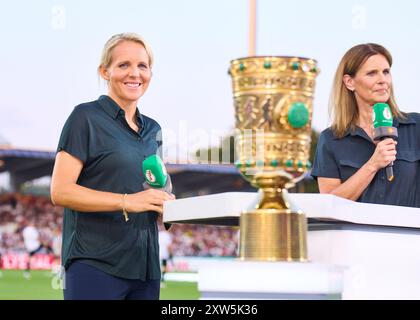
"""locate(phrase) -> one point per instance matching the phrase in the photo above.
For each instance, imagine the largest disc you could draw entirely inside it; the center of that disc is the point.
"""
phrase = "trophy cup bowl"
(273, 111)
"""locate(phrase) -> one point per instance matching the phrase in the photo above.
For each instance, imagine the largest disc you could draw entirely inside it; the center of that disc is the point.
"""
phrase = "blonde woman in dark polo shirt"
(348, 162)
(110, 235)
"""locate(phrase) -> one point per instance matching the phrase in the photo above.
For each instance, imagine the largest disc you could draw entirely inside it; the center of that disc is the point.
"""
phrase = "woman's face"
(129, 73)
(372, 82)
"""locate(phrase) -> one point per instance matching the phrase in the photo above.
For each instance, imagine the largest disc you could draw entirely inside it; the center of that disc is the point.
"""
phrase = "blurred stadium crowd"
(19, 210)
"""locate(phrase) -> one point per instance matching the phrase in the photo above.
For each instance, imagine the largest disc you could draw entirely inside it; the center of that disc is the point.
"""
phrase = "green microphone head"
(154, 171)
(382, 115)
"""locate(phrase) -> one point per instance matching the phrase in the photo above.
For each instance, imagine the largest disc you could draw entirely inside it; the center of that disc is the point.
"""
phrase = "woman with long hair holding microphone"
(349, 161)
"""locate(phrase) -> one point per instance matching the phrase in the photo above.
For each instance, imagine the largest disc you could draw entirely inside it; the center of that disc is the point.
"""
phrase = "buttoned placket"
(137, 134)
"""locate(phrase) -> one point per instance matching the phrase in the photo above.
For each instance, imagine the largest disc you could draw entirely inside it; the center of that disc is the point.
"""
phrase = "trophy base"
(273, 235)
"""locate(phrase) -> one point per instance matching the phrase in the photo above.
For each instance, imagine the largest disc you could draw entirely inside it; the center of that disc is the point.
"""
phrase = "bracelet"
(125, 213)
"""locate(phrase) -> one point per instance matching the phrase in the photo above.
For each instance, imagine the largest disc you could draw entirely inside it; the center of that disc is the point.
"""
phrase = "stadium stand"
(189, 179)
(17, 209)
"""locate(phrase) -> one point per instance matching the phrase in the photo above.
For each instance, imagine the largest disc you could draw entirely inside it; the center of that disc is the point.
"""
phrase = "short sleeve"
(74, 138)
(325, 164)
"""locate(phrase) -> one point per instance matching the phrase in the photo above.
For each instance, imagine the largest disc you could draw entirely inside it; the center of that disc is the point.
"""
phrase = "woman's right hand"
(148, 200)
(384, 154)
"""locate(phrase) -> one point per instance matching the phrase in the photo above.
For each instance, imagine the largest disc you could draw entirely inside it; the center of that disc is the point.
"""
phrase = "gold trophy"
(273, 110)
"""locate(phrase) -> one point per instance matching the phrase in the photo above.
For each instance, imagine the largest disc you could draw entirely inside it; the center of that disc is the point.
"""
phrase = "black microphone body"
(382, 133)
(167, 188)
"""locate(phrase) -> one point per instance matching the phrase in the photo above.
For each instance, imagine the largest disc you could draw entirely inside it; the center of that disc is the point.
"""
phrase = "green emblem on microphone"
(382, 116)
(149, 176)
(154, 171)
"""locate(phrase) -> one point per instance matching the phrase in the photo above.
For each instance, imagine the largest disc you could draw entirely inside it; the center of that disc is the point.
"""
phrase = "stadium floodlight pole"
(252, 28)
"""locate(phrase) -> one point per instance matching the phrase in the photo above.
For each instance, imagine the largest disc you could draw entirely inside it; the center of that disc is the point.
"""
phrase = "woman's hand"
(149, 200)
(384, 154)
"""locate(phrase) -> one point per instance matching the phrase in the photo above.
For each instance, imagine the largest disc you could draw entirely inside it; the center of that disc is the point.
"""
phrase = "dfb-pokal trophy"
(273, 109)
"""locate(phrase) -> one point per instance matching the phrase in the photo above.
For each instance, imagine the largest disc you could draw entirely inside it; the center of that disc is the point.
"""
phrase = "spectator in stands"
(33, 244)
(110, 234)
(56, 244)
(165, 251)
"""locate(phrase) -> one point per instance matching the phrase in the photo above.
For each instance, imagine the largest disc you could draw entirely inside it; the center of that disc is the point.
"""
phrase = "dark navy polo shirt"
(341, 158)
(112, 154)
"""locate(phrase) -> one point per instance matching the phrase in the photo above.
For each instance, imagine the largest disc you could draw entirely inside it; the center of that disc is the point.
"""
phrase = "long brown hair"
(342, 105)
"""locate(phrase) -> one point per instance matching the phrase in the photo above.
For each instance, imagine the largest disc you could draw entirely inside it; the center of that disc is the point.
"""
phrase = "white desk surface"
(318, 206)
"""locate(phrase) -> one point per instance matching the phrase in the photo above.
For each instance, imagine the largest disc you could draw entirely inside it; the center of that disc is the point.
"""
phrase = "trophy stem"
(273, 189)
(274, 231)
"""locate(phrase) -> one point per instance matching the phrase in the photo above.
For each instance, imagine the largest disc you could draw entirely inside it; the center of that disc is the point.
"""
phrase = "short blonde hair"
(342, 104)
(106, 57)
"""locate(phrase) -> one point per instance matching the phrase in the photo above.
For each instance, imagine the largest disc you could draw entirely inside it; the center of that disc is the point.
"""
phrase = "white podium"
(253, 280)
(377, 245)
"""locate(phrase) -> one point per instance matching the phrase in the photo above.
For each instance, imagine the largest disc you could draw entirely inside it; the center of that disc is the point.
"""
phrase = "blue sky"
(50, 51)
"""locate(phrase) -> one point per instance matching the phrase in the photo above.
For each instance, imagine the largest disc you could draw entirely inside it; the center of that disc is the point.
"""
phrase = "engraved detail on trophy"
(266, 122)
(246, 111)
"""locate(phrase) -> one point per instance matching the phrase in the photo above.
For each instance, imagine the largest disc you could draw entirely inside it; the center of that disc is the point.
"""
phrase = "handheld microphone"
(155, 174)
(156, 177)
(382, 122)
